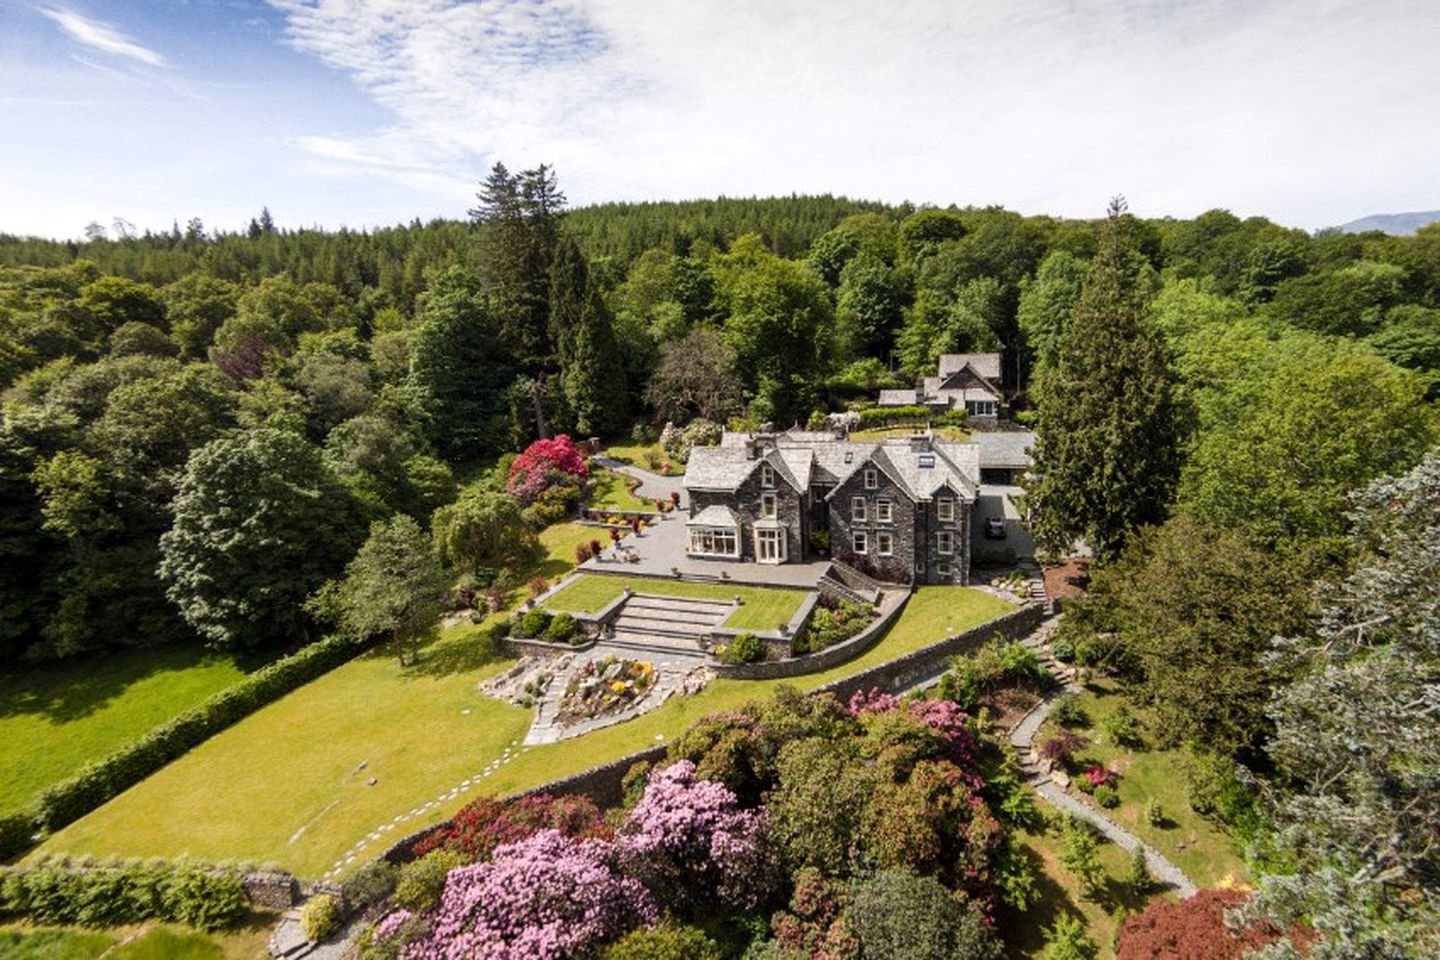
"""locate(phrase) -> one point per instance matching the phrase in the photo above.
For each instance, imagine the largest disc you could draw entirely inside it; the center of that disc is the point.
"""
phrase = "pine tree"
(594, 376)
(1106, 456)
(520, 217)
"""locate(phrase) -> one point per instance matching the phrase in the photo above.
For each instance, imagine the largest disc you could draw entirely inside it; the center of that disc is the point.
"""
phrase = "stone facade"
(747, 502)
(901, 527)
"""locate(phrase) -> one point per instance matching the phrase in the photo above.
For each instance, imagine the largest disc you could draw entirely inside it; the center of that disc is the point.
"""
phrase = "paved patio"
(661, 549)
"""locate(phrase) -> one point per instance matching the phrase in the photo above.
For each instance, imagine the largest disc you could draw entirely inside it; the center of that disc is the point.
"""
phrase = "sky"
(373, 112)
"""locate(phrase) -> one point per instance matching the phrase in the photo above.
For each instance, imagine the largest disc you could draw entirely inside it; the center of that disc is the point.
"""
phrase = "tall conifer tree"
(1106, 457)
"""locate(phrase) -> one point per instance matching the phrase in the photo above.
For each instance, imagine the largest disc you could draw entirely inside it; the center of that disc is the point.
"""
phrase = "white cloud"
(102, 37)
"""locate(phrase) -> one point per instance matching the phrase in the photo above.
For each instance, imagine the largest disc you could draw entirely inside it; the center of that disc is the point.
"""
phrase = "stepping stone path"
(1022, 740)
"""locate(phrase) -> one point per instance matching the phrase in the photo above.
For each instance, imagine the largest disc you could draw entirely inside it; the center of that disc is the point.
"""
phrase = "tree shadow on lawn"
(446, 656)
(73, 689)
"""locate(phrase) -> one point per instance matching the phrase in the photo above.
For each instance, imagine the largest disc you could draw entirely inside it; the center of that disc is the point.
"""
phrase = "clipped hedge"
(62, 891)
(104, 779)
(16, 833)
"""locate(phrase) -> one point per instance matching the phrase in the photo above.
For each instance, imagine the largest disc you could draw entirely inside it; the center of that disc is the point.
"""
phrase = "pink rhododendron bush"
(544, 898)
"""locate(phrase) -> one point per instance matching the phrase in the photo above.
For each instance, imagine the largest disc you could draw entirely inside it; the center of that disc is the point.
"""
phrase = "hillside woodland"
(203, 431)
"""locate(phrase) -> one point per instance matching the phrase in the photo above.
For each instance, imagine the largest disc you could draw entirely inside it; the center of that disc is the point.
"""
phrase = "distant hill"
(1400, 224)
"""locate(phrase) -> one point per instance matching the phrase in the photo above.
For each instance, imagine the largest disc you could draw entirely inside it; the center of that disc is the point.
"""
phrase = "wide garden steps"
(658, 645)
(657, 616)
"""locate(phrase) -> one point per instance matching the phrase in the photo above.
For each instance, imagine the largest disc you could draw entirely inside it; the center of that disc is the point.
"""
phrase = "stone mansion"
(898, 510)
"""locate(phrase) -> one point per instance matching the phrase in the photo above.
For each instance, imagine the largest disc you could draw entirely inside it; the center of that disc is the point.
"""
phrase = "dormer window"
(945, 510)
(849, 456)
(926, 461)
(872, 479)
(767, 475)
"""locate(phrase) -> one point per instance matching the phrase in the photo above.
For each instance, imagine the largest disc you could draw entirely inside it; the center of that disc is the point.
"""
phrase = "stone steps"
(658, 645)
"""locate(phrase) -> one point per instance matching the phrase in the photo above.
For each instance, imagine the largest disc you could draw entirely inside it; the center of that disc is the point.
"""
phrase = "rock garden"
(604, 687)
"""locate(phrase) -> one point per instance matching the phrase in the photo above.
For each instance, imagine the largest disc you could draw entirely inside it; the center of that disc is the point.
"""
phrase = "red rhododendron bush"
(860, 829)
(1192, 929)
(544, 464)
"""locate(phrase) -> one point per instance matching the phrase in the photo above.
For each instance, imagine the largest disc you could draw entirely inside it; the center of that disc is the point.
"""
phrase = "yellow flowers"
(618, 686)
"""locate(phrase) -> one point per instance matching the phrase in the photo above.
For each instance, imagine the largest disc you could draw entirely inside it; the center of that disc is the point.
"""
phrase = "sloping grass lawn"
(161, 941)
(761, 608)
(56, 718)
(610, 490)
(285, 785)
(560, 542)
(1196, 845)
(638, 457)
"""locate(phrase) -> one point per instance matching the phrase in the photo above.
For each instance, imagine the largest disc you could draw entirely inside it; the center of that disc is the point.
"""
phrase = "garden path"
(1022, 738)
(653, 486)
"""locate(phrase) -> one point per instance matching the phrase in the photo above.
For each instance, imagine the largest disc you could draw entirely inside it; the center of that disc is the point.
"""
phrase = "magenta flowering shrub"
(544, 464)
(689, 841)
(944, 716)
(546, 897)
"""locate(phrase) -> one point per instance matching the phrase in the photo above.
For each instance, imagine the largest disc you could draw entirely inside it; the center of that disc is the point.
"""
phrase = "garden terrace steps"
(678, 617)
(654, 644)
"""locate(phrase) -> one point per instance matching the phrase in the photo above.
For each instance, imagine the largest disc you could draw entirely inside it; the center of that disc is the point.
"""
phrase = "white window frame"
(775, 536)
(945, 543)
(981, 408)
(872, 478)
(767, 475)
(943, 570)
(769, 505)
(860, 541)
(885, 543)
(945, 510)
(698, 536)
(884, 510)
(857, 509)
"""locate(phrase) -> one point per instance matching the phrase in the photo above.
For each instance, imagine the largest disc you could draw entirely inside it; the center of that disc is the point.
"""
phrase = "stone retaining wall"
(929, 662)
(523, 647)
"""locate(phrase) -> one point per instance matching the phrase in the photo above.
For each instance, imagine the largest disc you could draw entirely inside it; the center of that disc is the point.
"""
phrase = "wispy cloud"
(102, 37)
(1270, 107)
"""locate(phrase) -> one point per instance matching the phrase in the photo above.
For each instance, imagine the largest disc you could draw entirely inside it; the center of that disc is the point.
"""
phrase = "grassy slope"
(762, 608)
(611, 490)
(1196, 845)
(1059, 893)
(145, 942)
(57, 718)
(248, 792)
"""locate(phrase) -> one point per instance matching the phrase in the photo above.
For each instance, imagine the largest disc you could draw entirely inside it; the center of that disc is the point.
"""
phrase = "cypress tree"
(1106, 455)
(594, 375)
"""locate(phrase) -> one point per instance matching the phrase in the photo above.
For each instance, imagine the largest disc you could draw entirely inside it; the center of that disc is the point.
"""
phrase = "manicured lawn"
(761, 608)
(611, 490)
(1196, 845)
(292, 782)
(560, 542)
(639, 456)
(56, 718)
(285, 784)
(880, 433)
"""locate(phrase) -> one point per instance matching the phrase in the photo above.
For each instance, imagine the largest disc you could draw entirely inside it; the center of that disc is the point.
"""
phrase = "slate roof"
(823, 459)
(714, 515)
(1005, 449)
(985, 364)
(897, 398)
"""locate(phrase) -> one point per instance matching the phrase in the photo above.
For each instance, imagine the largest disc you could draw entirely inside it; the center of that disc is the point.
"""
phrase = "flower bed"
(605, 687)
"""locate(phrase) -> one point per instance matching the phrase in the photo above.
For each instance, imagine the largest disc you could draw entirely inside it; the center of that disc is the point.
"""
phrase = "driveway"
(998, 500)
